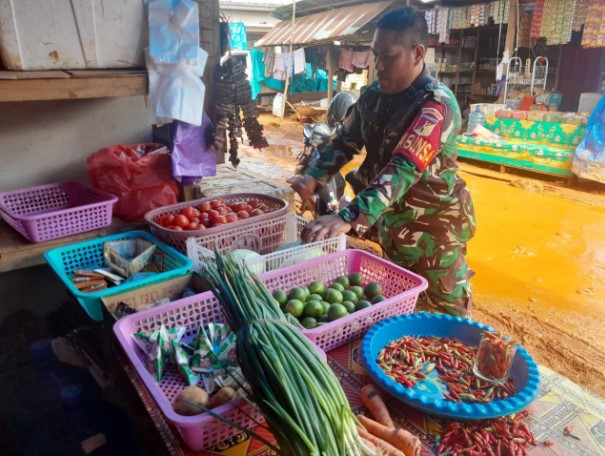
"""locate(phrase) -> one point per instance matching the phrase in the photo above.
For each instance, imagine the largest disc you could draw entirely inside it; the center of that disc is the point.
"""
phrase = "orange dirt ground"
(539, 256)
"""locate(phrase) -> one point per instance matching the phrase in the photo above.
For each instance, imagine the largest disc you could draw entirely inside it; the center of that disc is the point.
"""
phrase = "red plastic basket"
(56, 210)
(178, 239)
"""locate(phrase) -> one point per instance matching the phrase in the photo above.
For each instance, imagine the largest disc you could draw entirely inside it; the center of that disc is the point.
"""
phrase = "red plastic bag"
(139, 175)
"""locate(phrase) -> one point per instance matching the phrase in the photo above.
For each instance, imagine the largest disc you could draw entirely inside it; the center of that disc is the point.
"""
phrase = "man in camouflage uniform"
(408, 123)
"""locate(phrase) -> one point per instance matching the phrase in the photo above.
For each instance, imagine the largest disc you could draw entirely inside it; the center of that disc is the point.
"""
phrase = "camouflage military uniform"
(423, 209)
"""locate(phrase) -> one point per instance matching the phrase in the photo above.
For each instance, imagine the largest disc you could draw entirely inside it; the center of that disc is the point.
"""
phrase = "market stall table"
(560, 403)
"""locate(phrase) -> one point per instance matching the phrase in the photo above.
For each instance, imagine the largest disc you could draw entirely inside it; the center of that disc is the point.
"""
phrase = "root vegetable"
(373, 401)
(224, 395)
(399, 438)
(187, 397)
(385, 448)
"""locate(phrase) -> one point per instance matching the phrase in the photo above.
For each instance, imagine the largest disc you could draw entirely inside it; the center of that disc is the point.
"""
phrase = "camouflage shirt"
(410, 167)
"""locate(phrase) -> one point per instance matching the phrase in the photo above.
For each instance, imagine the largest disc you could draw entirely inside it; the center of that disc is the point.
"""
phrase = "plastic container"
(427, 395)
(489, 109)
(200, 431)
(279, 254)
(62, 34)
(57, 210)
(257, 227)
(494, 358)
(476, 118)
(65, 260)
(400, 286)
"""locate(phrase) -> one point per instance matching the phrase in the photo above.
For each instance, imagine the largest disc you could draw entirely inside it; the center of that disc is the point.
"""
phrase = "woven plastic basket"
(199, 431)
(400, 286)
(53, 211)
(178, 239)
(65, 260)
(265, 237)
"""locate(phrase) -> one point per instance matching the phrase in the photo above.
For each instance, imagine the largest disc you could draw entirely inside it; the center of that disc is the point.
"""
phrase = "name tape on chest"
(420, 142)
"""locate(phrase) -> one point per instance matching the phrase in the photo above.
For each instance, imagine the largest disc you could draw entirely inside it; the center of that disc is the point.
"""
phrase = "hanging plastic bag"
(139, 175)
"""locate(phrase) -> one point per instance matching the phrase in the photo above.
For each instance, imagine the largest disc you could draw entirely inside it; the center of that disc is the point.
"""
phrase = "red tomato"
(238, 207)
(220, 220)
(254, 203)
(256, 212)
(205, 206)
(188, 212)
(231, 217)
(222, 210)
(175, 228)
(204, 217)
(242, 215)
(194, 221)
(246, 207)
(264, 208)
(167, 220)
(181, 221)
(214, 203)
(193, 226)
(212, 214)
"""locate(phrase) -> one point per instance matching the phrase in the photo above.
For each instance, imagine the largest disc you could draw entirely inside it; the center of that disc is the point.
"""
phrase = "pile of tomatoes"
(211, 213)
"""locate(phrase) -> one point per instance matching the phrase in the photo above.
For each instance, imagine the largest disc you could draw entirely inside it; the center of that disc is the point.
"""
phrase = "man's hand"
(325, 227)
(306, 188)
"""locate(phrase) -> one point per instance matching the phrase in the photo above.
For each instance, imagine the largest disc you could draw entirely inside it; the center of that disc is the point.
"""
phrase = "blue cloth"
(589, 157)
(239, 37)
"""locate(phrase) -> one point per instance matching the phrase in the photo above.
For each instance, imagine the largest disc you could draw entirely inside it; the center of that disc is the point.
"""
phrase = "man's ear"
(419, 52)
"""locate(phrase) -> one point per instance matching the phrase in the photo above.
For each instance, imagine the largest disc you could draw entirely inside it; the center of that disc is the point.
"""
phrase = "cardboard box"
(520, 115)
(63, 34)
(536, 116)
(504, 114)
(169, 290)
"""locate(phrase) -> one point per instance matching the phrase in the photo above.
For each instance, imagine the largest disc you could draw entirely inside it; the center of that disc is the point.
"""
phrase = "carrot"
(399, 438)
(386, 448)
(374, 403)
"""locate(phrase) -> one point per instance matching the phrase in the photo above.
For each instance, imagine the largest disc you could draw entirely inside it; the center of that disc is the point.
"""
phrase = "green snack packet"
(202, 359)
(155, 357)
(181, 359)
(143, 338)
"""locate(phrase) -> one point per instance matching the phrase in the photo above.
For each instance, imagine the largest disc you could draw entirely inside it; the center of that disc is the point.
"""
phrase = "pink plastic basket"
(400, 286)
(56, 210)
(268, 228)
(200, 431)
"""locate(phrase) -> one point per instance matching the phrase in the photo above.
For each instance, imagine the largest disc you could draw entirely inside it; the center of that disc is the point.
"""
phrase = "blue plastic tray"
(427, 395)
(65, 260)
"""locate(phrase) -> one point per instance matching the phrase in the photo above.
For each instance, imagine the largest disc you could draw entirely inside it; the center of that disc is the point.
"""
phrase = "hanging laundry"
(238, 36)
(345, 60)
(300, 64)
(269, 61)
(279, 67)
(361, 59)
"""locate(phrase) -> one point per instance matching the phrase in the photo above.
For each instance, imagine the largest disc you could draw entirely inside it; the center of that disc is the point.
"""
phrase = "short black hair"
(408, 22)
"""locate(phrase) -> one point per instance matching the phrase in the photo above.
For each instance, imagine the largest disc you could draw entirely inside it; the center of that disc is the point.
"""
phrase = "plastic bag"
(192, 154)
(139, 175)
(589, 158)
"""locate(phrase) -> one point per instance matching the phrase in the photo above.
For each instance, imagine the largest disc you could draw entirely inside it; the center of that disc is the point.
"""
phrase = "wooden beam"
(331, 62)
(73, 88)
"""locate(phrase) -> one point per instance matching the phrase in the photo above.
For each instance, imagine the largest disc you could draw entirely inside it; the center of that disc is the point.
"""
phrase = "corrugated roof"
(329, 25)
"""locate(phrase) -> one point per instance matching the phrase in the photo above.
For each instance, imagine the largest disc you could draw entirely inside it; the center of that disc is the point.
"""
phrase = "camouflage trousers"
(444, 268)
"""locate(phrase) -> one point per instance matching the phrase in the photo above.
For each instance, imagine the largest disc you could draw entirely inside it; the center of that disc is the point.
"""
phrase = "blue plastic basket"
(65, 260)
(427, 394)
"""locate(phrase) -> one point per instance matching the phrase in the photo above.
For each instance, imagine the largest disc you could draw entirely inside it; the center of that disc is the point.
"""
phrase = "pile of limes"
(317, 303)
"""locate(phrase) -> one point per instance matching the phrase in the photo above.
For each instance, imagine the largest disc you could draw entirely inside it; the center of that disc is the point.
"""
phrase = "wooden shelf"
(71, 85)
(17, 253)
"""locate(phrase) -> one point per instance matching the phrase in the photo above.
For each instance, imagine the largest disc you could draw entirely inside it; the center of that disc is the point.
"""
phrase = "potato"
(188, 396)
(224, 395)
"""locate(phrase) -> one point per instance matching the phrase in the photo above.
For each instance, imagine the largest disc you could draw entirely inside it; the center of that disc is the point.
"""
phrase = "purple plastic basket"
(56, 210)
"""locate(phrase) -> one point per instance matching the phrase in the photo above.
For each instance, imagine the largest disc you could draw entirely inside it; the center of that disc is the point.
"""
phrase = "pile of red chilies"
(505, 436)
(404, 361)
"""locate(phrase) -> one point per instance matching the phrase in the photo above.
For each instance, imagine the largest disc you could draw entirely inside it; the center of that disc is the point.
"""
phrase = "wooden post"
(290, 67)
(331, 63)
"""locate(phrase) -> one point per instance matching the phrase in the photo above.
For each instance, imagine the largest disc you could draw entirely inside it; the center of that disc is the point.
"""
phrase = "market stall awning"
(329, 25)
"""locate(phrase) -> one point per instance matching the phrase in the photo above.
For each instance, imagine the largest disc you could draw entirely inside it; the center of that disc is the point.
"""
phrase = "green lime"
(298, 293)
(280, 296)
(333, 296)
(326, 307)
(357, 290)
(317, 287)
(337, 311)
(355, 279)
(314, 297)
(323, 318)
(378, 299)
(372, 290)
(349, 295)
(349, 305)
(338, 286)
(343, 280)
(295, 307)
(309, 322)
(307, 291)
(363, 304)
(313, 309)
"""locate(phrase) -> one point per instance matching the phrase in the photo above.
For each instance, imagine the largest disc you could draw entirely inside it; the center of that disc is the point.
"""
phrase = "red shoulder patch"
(420, 142)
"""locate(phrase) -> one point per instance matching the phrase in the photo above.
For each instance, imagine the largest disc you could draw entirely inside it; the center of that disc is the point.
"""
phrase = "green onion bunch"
(298, 394)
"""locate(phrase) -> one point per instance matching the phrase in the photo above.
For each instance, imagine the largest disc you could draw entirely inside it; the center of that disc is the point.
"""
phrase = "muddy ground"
(539, 255)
